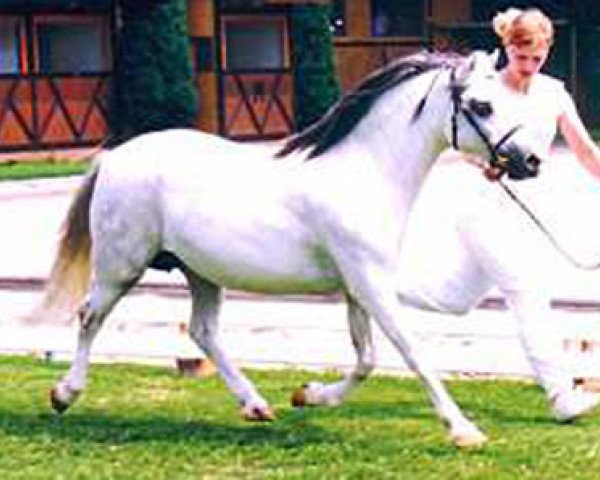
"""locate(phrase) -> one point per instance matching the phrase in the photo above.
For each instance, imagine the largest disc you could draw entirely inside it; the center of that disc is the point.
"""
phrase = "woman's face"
(525, 61)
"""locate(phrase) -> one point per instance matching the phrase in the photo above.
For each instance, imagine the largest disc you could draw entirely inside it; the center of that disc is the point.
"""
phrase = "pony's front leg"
(206, 303)
(317, 393)
(375, 287)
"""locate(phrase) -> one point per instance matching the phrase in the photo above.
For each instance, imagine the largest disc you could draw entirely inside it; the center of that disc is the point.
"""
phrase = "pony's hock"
(285, 226)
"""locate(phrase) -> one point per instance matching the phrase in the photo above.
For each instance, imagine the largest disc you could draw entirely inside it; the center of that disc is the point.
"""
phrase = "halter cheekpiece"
(495, 159)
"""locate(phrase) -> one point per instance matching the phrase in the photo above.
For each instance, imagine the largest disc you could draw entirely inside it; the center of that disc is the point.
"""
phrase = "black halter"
(495, 159)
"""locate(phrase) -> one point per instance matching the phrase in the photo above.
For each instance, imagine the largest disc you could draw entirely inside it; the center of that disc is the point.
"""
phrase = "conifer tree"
(315, 83)
(153, 87)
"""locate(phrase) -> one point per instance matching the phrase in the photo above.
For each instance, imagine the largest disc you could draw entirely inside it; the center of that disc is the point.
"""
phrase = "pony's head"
(484, 121)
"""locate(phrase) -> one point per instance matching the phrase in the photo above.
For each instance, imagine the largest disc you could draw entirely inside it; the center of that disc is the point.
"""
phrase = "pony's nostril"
(534, 161)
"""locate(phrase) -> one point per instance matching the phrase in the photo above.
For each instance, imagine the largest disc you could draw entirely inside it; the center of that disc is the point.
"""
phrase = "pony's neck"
(406, 148)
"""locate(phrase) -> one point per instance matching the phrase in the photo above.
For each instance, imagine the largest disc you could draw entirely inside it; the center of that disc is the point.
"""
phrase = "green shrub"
(316, 86)
(153, 86)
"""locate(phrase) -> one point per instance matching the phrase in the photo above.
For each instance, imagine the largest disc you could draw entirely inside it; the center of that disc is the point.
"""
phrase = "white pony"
(324, 214)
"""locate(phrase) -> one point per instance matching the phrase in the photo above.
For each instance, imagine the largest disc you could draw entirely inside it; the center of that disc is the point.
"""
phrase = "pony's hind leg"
(204, 331)
(91, 316)
(317, 393)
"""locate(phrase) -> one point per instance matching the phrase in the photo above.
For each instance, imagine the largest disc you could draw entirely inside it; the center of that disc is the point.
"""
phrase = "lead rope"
(537, 222)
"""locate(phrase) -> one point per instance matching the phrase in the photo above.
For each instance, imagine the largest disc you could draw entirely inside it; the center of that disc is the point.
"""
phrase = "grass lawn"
(138, 422)
(40, 169)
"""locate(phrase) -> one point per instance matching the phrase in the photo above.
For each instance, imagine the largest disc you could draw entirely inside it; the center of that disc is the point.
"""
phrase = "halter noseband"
(495, 160)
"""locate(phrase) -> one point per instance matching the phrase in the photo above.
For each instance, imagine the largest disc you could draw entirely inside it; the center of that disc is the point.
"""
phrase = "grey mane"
(347, 112)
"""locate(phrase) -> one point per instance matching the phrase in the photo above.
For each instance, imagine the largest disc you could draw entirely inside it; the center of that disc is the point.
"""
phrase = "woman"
(490, 228)
(527, 36)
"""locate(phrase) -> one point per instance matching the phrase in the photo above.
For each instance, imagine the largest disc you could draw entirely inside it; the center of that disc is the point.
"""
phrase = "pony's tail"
(69, 277)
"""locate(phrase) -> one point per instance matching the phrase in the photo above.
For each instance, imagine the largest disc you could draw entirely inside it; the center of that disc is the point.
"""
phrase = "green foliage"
(40, 169)
(149, 423)
(315, 82)
(153, 80)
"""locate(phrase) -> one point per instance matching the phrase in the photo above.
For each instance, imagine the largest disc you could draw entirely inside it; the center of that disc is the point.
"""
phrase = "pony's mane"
(349, 110)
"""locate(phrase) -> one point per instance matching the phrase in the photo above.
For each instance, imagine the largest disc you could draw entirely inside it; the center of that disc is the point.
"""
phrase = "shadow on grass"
(99, 427)
(293, 428)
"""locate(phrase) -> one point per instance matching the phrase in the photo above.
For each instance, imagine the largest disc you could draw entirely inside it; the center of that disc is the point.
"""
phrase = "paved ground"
(263, 331)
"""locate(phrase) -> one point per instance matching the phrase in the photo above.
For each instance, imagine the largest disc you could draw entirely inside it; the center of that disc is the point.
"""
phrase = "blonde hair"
(530, 28)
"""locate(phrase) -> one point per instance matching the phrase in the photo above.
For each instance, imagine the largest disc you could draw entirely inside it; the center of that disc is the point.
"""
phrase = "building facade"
(56, 59)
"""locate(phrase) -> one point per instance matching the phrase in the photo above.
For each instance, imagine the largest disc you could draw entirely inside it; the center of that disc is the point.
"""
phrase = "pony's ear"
(481, 60)
(467, 67)
(482, 63)
(478, 64)
(495, 58)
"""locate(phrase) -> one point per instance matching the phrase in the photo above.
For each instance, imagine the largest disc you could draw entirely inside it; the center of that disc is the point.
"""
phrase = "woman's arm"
(578, 139)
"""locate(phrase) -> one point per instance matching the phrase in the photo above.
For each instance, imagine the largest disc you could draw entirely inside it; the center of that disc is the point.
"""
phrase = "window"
(403, 18)
(11, 32)
(254, 43)
(72, 44)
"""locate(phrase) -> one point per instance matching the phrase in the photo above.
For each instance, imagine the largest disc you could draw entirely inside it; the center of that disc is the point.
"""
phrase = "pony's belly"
(268, 265)
(283, 277)
(278, 284)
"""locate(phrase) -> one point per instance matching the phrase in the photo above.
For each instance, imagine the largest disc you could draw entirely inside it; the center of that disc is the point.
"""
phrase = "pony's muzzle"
(516, 165)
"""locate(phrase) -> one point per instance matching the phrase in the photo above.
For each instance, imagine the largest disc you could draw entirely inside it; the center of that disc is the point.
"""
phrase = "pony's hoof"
(58, 405)
(299, 397)
(471, 440)
(258, 414)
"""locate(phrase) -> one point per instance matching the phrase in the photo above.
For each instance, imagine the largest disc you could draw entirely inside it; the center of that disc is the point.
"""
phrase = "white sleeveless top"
(540, 107)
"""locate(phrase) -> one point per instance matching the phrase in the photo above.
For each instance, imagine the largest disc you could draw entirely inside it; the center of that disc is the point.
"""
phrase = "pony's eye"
(480, 108)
